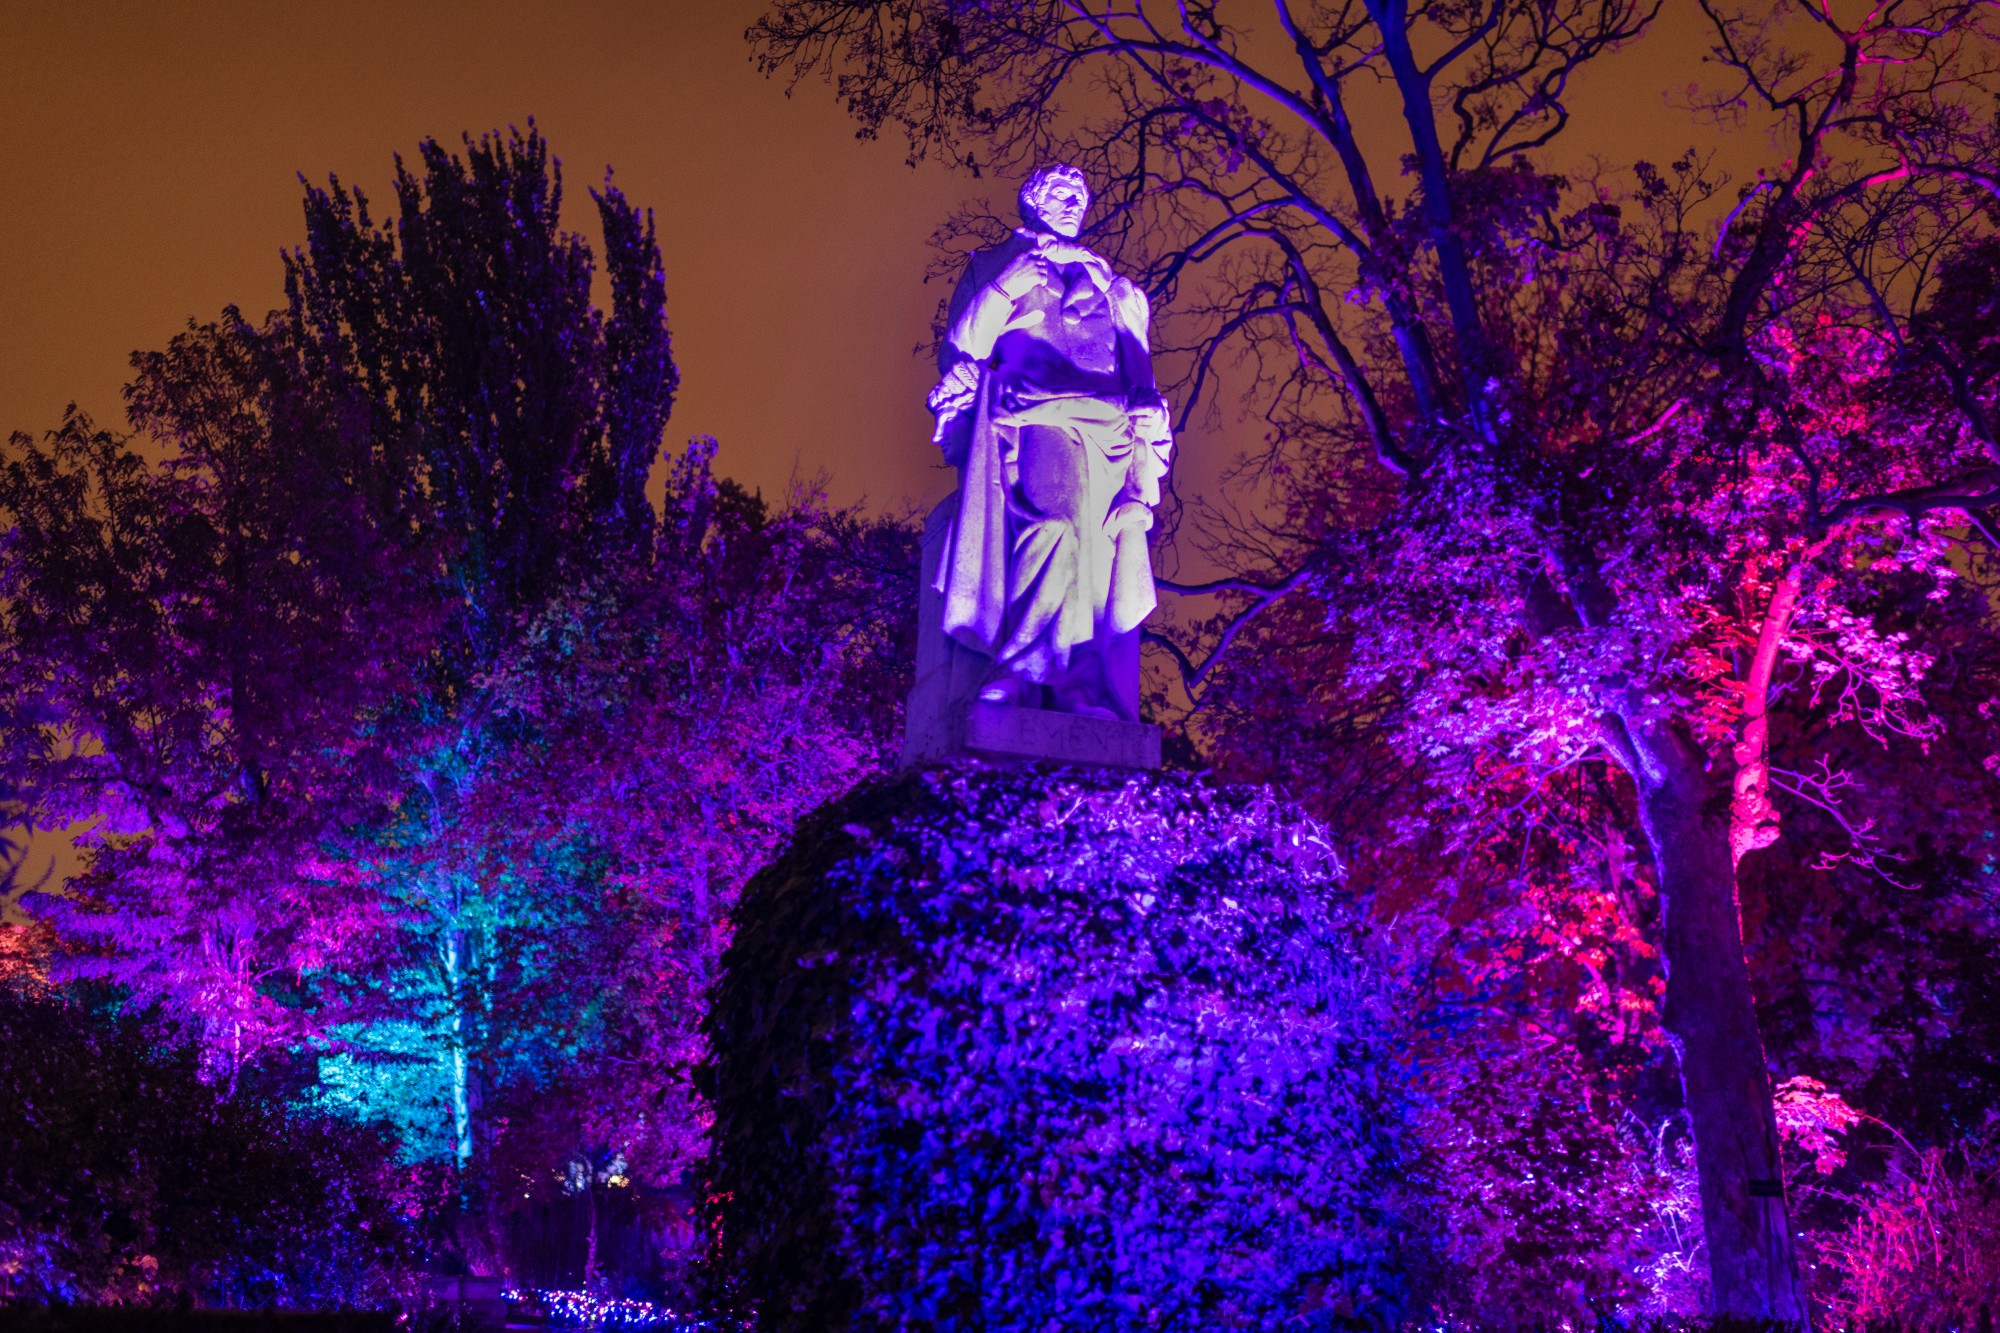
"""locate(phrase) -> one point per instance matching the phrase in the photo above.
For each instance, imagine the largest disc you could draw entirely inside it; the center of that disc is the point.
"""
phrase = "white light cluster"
(581, 1309)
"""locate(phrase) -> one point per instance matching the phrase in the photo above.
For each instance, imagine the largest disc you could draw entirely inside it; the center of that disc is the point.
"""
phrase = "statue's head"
(1055, 199)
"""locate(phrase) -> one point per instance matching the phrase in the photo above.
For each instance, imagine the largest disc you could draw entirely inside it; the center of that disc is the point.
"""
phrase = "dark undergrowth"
(134, 1319)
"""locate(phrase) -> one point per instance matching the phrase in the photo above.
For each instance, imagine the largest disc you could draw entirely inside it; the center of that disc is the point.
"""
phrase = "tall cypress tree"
(522, 420)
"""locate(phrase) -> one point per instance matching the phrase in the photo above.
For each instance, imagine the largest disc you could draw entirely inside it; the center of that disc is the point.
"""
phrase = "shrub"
(124, 1177)
(1539, 1196)
(1032, 1050)
(1921, 1246)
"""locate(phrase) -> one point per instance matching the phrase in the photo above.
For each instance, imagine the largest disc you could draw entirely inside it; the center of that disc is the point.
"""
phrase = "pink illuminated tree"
(1580, 472)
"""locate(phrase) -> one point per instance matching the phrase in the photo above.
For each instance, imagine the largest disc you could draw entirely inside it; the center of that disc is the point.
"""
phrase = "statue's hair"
(1031, 189)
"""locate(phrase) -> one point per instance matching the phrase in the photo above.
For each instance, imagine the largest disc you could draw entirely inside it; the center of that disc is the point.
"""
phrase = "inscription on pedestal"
(997, 732)
(1033, 733)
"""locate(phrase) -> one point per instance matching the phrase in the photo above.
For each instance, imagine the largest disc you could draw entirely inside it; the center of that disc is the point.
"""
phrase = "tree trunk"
(1753, 819)
(461, 1063)
(1712, 1019)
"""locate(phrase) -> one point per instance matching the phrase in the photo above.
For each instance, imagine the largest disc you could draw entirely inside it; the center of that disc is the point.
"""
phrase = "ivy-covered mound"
(1010, 1050)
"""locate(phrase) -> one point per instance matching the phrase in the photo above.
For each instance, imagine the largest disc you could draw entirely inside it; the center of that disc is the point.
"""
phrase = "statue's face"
(1061, 204)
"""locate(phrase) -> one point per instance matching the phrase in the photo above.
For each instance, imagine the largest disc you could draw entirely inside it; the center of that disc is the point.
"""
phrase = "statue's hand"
(1028, 271)
(1151, 423)
(1058, 251)
(955, 392)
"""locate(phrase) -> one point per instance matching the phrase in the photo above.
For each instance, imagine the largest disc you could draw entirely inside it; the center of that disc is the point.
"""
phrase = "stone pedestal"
(998, 732)
(945, 719)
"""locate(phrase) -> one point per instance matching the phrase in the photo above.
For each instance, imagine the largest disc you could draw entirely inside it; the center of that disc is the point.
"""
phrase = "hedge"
(1032, 1049)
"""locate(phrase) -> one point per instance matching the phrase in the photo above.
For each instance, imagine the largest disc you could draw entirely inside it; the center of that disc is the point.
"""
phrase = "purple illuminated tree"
(1579, 471)
(208, 638)
(676, 720)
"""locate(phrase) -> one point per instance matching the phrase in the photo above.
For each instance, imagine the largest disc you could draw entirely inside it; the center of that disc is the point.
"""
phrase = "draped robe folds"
(1046, 562)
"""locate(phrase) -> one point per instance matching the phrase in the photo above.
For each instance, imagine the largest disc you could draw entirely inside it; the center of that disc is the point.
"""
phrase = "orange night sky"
(153, 149)
(151, 169)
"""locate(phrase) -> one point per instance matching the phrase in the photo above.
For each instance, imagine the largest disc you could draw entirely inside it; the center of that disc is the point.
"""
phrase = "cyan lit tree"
(523, 423)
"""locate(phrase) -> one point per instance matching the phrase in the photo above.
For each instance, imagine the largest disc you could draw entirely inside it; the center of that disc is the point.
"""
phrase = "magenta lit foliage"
(1035, 1050)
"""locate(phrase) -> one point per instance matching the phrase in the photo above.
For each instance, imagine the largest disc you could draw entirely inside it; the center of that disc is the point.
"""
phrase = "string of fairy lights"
(585, 1310)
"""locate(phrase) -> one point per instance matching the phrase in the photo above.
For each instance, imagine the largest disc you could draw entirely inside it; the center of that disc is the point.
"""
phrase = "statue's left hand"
(955, 392)
(1059, 251)
(1151, 423)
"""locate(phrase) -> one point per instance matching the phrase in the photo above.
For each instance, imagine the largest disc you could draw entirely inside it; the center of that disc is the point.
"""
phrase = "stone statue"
(1037, 576)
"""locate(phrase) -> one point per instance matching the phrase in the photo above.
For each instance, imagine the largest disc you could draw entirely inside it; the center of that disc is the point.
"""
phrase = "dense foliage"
(425, 749)
(1033, 1050)
(1617, 588)
(124, 1177)
(1623, 508)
